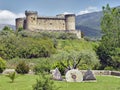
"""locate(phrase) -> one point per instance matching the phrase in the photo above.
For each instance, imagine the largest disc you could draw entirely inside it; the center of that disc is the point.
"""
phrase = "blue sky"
(10, 9)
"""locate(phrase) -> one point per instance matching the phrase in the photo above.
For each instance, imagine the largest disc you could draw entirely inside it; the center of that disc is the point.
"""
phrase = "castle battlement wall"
(30, 12)
(33, 22)
(57, 18)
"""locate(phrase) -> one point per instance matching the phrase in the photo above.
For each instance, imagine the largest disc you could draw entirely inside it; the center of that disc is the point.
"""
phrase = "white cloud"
(88, 10)
(8, 17)
(67, 13)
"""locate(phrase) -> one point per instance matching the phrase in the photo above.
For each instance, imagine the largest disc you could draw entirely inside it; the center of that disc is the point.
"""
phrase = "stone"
(56, 74)
(34, 22)
(60, 23)
(89, 76)
(74, 75)
(31, 72)
(8, 71)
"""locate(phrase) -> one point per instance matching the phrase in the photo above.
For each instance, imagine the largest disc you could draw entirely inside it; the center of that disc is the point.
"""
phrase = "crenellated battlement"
(30, 12)
(34, 22)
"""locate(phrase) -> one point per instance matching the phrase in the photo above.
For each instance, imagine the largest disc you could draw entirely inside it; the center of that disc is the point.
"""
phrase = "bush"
(109, 68)
(12, 76)
(44, 83)
(66, 36)
(83, 67)
(2, 65)
(59, 66)
(22, 68)
(13, 46)
(42, 67)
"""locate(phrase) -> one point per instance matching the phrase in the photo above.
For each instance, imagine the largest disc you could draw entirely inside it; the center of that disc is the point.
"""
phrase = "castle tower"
(70, 21)
(19, 23)
(31, 19)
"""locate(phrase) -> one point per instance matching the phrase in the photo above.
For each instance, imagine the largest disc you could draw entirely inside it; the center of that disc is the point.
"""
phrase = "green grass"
(25, 82)
(22, 82)
(77, 45)
(103, 83)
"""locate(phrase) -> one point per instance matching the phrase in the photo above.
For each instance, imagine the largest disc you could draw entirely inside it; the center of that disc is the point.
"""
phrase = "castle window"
(50, 23)
(32, 18)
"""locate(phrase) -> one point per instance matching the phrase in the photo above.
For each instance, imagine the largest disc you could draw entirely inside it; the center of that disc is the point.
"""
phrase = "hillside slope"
(89, 24)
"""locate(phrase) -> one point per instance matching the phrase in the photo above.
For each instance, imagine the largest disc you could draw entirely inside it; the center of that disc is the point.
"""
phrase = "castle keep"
(33, 22)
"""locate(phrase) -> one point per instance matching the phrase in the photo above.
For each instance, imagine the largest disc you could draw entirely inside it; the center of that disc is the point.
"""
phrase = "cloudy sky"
(11, 9)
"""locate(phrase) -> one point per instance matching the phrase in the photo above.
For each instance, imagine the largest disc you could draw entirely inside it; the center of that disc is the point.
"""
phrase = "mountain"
(3, 25)
(89, 24)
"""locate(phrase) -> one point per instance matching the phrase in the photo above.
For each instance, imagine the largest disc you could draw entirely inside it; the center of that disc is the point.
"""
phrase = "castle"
(59, 23)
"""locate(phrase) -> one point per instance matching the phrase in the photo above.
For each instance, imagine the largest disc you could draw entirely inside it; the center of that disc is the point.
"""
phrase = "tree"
(110, 25)
(2, 65)
(74, 59)
(7, 29)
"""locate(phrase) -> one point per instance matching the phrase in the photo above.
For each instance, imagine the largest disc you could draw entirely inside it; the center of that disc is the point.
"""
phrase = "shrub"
(83, 67)
(59, 66)
(44, 83)
(22, 68)
(42, 67)
(2, 65)
(66, 36)
(12, 76)
(109, 68)
(13, 46)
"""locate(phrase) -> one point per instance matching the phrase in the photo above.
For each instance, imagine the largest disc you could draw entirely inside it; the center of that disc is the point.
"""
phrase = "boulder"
(56, 74)
(89, 76)
(8, 71)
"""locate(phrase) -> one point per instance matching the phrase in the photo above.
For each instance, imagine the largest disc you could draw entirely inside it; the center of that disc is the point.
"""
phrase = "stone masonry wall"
(34, 22)
(103, 72)
(50, 24)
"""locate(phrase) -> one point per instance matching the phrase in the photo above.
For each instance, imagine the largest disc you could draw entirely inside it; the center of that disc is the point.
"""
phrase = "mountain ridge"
(89, 24)
(9, 25)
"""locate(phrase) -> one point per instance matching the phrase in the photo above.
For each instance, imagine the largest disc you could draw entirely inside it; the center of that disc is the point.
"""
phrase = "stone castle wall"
(49, 24)
(33, 22)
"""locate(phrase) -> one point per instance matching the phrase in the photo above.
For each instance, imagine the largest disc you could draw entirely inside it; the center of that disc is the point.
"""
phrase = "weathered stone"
(31, 72)
(89, 76)
(74, 75)
(61, 23)
(56, 74)
(8, 71)
(35, 22)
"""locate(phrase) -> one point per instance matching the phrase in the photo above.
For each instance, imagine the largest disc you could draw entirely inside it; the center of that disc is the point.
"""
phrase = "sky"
(11, 9)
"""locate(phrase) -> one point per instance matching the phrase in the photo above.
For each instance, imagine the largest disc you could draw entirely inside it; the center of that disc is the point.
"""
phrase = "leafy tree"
(7, 30)
(2, 65)
(110, 25)
(75, 59)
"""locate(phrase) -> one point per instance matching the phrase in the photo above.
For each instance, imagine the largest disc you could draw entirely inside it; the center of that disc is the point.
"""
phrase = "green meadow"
(25, 82)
